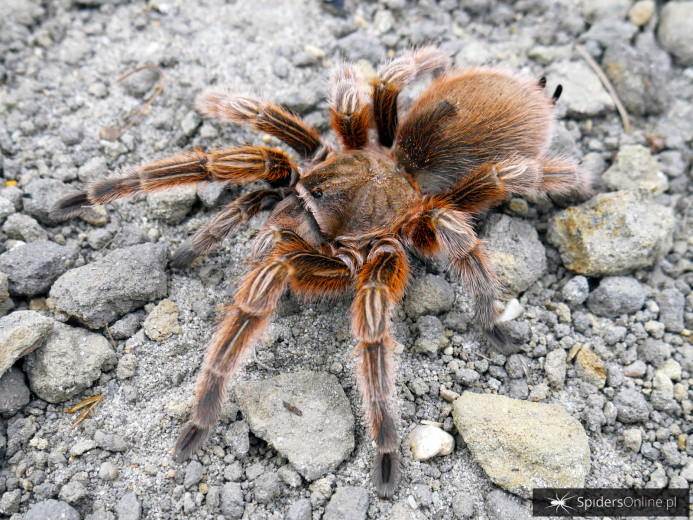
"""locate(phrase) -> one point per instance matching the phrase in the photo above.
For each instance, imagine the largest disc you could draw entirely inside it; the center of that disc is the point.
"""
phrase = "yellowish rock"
(162, 322)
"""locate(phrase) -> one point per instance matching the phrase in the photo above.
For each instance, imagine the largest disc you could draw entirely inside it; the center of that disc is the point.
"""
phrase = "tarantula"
(345, 218)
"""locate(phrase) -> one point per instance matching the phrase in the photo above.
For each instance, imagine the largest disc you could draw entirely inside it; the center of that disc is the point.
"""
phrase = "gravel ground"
(599, 292)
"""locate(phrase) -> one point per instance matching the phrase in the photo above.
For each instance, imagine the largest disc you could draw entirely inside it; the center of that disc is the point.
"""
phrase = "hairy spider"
(346, 218)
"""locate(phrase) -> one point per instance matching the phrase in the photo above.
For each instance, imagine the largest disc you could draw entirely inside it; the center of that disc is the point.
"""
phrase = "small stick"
(91, 402)
(605, 81)
(111, 133)
(109, 335)
(292, 408)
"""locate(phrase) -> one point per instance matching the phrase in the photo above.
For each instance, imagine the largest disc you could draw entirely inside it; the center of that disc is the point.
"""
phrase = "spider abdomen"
(468, 118)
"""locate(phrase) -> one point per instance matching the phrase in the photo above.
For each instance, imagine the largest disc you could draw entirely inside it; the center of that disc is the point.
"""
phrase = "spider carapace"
(345, 218)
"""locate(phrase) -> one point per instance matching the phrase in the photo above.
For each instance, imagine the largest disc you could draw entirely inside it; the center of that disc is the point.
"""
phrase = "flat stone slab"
(317, 440)
(108, 288)
(522, 445)
(20, 333)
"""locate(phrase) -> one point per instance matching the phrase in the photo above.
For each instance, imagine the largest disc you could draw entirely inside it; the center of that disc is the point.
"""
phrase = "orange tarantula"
(345, 218)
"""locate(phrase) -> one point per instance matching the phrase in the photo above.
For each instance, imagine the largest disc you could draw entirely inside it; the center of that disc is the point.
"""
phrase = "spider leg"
(293, 263)
(442, 231)
(563, 176)
(207, 237)
(380, 285)
(263, 116)
(393, 77)
(349, 113)
(237, 165)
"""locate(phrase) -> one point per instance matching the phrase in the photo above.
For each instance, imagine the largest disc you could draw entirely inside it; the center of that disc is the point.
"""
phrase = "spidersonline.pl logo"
(569, 502)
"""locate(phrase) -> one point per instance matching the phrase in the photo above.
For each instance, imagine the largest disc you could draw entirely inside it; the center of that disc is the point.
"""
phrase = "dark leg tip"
(386, 474)
(189, 441)
(498, 338)
(183, 256)
(69, 207)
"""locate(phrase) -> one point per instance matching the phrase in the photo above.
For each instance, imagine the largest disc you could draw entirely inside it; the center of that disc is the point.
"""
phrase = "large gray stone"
(315, 442)
(32, 268)
(14, 393)
(675, 32)
(347, 503)
(429, 294)
(583, 93)
(70, 361)
(617, 295)
(522, 445)
(634, 168)
(20, 333)
(51, 509)
(516, 252)
(612, 233)
(640, 82)
(106, 289)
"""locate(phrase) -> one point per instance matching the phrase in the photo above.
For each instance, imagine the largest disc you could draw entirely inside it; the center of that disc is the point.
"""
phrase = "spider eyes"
(316, 193)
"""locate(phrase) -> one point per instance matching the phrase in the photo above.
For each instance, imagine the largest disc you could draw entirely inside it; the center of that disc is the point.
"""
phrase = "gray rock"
(289, 476)
(100, 514)
(654, 352)
(53, 509)
(595, 10)
(93, 169)
(555, 367)
(516, 252)
(98, 238)
(9, 502)
(633, 168)
(463, 505)
(6, 209)
(171, 206)
(612, 234)
(32, 268)
(583, 92)
(70, 361)
(25, 12)
(312, 448)
(501, 506)
(576, 290)
(671, 309)
(20, 333)
(106, 289)
(232, 504)
(193, 474)
(640, 83)
(23, 227)
(431, 332)
(237, 438)
(466, 376)
(528, 445)
(72, 492)
(610, 32)
(4, 287)
(110, 442)
(631, 406)
(129, 507)
(14, 394)
(360, 45)
(108, 471)
(429, 294)
(300, 510)
(674, 30)
(127, 325)
(40, 195)
(617, 295)
(267, 487)
(127, 366)
(347, 503)
(403, 511)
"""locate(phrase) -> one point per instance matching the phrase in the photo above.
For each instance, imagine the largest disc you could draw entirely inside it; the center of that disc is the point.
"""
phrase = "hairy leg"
(393, 77)
(293, 262)
(207, 237)
(441, 231)
(237, 165)
(349, 112)
(262, 116)
(564, 176)
(380, 285)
